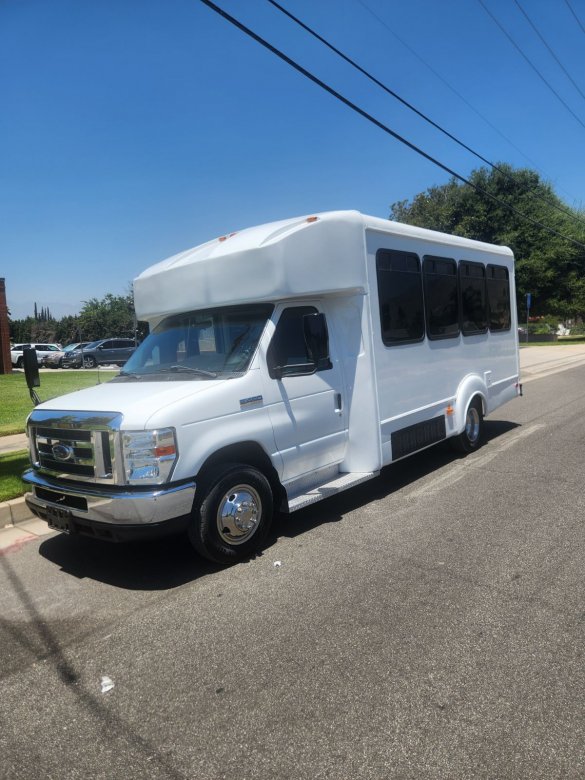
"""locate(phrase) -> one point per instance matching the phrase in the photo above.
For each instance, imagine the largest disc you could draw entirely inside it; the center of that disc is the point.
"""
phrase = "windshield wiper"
(188, 370)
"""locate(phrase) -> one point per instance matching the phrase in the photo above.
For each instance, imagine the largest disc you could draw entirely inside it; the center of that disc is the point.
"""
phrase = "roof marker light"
(312, 219)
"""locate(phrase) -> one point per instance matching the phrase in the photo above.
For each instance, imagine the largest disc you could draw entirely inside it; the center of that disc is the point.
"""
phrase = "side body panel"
(420, 381)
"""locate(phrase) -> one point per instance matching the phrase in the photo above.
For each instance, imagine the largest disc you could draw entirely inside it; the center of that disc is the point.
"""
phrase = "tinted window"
(401, 296)
(473, 298)
(288, 347)
(441, 299)
(498, 292)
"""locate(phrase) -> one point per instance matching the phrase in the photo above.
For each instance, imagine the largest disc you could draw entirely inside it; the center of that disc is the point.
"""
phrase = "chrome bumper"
(117, 507)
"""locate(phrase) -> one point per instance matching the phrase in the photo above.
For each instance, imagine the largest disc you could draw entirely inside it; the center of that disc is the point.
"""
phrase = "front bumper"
(118, 511)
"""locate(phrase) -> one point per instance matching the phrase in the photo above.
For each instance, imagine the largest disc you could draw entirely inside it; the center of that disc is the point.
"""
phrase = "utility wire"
(416, 110)
(451, 87)
(559, 63)
(529, 61)
(575, 15)
(373, 120)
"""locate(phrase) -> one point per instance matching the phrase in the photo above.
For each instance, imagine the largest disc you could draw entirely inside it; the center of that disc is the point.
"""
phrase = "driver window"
(288, 347)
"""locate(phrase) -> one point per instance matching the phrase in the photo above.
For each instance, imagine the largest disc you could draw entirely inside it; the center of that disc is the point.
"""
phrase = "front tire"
(89, 362)
(232, 514)
(471, 437)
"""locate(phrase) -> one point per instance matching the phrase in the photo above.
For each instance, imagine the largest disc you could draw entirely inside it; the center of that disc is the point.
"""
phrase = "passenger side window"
(473, 298)
(401, 296)
(441, 299)
(288, 352)
(498, 291)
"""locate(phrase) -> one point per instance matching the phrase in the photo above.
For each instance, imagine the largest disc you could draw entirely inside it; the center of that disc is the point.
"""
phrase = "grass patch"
(12, 466)
(16, 404)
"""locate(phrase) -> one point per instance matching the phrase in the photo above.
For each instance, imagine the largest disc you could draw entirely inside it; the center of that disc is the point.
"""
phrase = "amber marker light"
(449, 411)
(312, 219)
(160, 452)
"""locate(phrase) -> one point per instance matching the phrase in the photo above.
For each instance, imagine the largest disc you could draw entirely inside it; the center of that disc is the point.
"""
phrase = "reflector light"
(160, 451)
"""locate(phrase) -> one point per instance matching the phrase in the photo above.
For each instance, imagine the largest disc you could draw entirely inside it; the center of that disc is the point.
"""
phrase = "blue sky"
(133, 129)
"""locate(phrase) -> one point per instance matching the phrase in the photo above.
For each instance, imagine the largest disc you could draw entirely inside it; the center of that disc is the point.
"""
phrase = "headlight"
(149, 456)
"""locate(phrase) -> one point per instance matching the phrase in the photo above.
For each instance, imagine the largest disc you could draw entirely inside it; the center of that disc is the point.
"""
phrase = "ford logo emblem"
(62, 452)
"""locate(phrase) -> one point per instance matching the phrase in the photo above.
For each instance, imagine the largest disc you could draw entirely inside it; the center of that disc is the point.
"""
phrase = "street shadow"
(171, 562)
(160, 564)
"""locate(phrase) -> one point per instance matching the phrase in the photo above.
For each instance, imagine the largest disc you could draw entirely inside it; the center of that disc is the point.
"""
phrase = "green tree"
(113, 315)
(547, 265)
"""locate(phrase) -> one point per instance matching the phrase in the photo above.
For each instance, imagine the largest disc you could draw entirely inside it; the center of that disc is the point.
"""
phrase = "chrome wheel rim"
(239, 514)
(472, 422)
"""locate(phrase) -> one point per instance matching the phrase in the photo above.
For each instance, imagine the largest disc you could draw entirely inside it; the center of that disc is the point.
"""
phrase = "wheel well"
(249, 453)
(480, 398)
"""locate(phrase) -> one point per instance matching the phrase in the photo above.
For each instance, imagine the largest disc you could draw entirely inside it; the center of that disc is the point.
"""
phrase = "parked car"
(113, 351)
(41, 350)
(55, 359)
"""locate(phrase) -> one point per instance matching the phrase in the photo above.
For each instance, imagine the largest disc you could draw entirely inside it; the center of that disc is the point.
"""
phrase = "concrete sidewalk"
(13, 443)
(18, 525)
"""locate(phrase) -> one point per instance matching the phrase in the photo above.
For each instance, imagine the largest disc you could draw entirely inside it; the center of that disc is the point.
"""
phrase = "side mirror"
(31, 372)
(317, 340)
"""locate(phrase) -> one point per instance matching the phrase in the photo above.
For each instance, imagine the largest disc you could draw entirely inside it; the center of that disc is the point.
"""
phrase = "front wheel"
(89, 362)
(232, 514)
(471, 436)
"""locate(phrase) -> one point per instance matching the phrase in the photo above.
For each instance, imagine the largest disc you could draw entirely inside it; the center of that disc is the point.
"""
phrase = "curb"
(13, 512)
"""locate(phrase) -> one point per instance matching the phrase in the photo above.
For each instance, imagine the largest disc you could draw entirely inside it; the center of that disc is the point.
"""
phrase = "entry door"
(306, 402)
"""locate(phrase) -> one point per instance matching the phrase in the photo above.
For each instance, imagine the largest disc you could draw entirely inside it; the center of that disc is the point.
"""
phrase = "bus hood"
(152, 404)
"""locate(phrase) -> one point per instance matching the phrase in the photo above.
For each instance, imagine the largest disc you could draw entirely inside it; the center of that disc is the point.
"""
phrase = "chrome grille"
(78, 446)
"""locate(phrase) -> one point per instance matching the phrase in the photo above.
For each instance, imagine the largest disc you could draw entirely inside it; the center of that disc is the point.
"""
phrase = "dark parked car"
(104, 352)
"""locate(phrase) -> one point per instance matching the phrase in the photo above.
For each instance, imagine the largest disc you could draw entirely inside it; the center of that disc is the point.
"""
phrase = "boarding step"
(326, 489)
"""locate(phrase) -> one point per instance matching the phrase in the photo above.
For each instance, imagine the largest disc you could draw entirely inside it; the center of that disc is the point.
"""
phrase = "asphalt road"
(428, 624)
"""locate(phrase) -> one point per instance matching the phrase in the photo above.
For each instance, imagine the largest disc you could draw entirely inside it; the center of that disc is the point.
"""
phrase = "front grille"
(79, 446)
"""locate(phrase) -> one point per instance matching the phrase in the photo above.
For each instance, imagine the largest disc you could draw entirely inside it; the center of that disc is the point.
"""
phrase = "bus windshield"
(204, 344)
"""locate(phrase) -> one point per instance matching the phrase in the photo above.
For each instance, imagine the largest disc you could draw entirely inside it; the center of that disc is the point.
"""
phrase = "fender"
(470, 387)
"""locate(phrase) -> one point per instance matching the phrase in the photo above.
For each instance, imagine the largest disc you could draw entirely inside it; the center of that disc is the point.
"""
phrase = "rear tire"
(232, 514)
(20, 362)
(471, 437)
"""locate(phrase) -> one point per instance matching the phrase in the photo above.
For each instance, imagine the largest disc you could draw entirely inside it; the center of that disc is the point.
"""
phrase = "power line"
(559, 63)
(303, 71)
(419, 113)
(575, 15)
(451, 87)
(529, 61)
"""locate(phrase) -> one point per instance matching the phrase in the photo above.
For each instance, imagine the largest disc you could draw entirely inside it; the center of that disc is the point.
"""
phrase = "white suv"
(42, 350)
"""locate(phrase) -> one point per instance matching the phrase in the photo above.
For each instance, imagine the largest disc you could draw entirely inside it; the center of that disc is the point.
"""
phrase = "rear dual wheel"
(232, 513)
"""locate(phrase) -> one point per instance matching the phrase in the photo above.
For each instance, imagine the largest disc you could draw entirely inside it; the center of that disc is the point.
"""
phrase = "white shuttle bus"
(285, 363)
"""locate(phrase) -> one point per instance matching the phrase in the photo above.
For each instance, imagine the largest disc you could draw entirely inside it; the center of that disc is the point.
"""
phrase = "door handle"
(338, 406)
